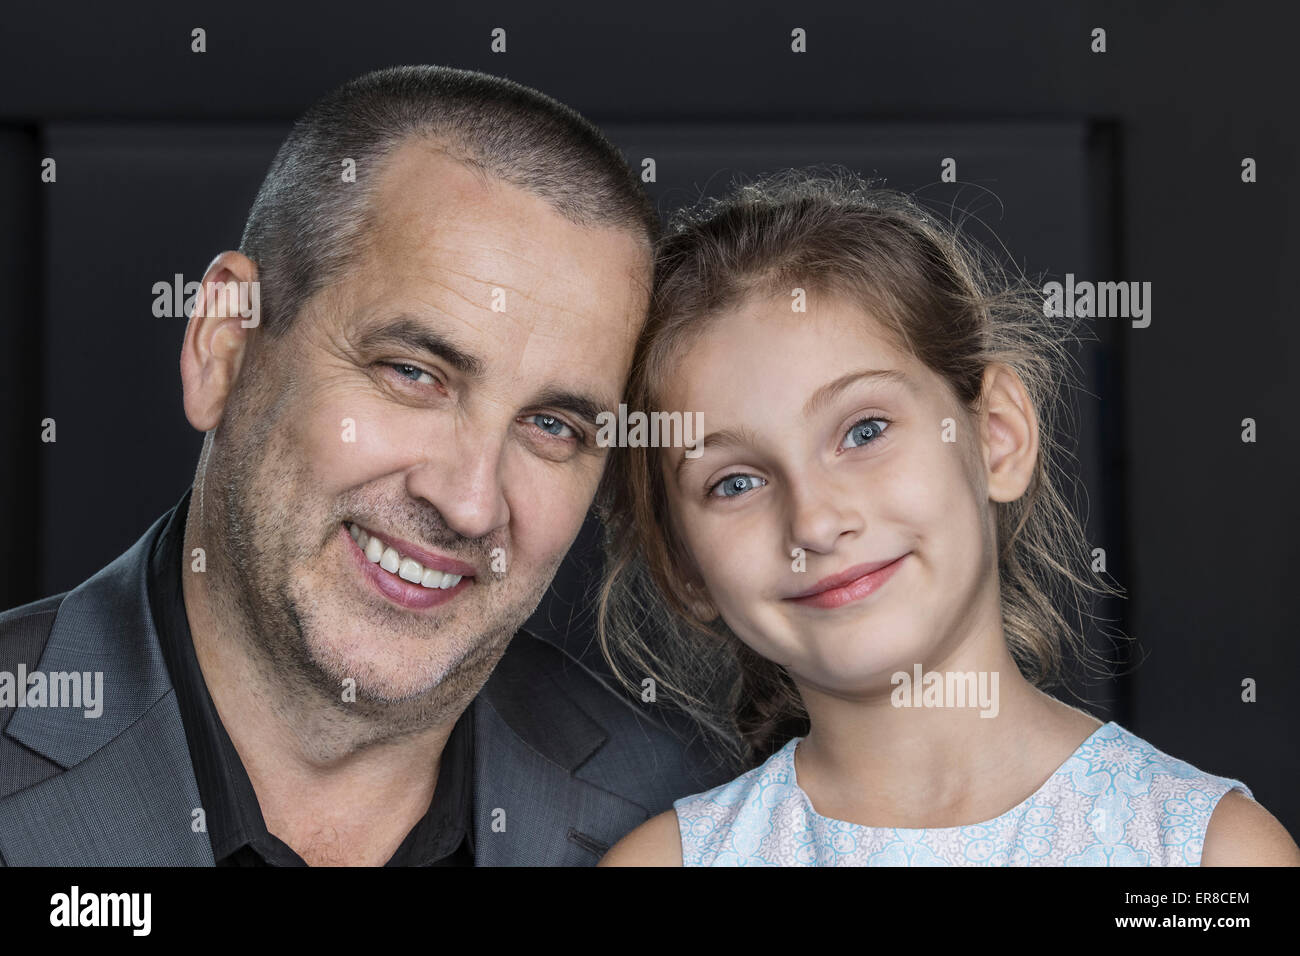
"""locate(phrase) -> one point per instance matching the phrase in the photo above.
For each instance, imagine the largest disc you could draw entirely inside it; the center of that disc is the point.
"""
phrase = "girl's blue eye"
(735, 485)
(552, 426)
(864, 431)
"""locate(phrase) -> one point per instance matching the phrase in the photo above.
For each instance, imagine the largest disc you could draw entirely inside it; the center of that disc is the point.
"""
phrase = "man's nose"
(463, 481)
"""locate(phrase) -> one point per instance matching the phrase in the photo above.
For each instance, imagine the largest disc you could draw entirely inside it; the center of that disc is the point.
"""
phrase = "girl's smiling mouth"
(849, 585)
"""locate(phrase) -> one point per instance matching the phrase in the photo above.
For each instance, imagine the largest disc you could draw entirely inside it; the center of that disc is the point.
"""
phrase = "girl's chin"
(858, 680)
(858, 675)
(848, 655)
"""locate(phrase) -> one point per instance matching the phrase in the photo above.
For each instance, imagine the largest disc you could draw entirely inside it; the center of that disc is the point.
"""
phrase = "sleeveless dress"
(1116, 801)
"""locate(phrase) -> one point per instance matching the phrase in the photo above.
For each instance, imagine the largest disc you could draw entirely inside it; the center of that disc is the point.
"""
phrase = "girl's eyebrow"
(728, 437)
(831, 389)
(743, 436)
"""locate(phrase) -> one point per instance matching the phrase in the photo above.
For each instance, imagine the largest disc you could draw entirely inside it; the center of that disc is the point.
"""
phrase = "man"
(316, 657)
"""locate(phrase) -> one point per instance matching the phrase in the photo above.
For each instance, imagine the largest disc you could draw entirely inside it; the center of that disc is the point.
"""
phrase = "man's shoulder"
(25, 629)
(531, 660)
(644, 742)
(34, 614)
(24, 632)
(535, 657)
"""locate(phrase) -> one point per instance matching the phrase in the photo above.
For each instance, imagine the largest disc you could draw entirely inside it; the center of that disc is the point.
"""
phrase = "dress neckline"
(793, 745)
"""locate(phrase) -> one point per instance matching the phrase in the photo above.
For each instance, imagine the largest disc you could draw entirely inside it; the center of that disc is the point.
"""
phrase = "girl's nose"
(820, 513)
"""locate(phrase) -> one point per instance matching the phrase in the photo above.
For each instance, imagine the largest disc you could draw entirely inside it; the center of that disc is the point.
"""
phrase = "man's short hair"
(308, 223)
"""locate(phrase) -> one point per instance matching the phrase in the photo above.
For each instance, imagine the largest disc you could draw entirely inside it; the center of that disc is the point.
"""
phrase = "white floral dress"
(1117, 801)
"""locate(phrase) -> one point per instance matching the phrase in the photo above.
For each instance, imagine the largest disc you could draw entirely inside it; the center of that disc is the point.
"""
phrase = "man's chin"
(401, 672)
(385, 677)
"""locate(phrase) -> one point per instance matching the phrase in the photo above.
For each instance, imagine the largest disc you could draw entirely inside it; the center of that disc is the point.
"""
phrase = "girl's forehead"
(765, 340)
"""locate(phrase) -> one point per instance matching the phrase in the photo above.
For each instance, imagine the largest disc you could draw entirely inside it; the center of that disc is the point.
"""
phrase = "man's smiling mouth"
(388, 557)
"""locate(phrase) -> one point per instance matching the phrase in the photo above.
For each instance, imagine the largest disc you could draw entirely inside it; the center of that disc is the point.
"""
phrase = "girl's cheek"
(946, 509)
(726, 563)
(935, 478)
(716, 559)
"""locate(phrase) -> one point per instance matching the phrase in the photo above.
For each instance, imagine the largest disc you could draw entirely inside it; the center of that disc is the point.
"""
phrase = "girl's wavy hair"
(940, 297)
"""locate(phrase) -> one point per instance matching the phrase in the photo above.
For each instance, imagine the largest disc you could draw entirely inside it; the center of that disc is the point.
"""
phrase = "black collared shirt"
(236, 828)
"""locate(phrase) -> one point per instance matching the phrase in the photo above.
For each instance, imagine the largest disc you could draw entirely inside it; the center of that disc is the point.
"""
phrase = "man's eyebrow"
(831, 389)
(407, 332)
(577, 404)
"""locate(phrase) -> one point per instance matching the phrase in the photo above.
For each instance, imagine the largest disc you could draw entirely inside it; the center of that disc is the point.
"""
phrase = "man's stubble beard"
(248, 488)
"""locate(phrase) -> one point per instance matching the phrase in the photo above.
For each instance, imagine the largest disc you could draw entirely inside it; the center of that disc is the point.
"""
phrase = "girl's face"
(825, 450)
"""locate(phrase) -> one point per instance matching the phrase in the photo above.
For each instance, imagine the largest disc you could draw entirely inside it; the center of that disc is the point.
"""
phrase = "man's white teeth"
(392, 561)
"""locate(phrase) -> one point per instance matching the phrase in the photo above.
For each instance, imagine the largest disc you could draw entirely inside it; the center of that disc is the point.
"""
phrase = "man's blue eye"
(735, 485)
(552, 426)
(412, 372)
(866, 430)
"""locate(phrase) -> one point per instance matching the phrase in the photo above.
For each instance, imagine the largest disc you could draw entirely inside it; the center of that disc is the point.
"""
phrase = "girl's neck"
(880, 763)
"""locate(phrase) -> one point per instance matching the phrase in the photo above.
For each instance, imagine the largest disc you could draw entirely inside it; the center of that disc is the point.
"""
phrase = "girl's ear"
(684, 575)
(696, 598)
(688, 583)
(1008, 434)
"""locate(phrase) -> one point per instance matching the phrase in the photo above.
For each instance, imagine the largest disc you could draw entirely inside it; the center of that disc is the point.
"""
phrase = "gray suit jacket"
(562, 761)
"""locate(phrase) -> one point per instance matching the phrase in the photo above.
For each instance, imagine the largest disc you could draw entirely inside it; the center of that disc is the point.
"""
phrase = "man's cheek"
(352, 439)
(545, 519)
(548, 504)
(533, 548)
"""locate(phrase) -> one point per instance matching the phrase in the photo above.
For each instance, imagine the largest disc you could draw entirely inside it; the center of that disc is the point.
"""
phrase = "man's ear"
(217, 337)
(1009, 434)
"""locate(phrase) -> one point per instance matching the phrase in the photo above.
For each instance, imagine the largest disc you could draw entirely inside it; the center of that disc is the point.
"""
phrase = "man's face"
(441, 397)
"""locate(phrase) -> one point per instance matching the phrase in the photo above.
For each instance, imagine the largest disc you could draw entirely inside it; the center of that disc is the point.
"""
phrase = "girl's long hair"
(941, 298)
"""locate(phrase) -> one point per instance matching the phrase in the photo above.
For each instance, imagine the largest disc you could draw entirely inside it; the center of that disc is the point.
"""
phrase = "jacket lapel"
(532, 805)
(128, 793)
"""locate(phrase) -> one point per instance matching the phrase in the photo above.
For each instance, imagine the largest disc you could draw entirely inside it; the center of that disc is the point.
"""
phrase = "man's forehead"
(436, 196)
(496, 270)
(434, 219)
(421, 186)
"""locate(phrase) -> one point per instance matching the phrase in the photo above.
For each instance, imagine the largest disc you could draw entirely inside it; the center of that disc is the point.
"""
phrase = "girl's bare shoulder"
(1064, 725)
(1242, 833)
(657, 842)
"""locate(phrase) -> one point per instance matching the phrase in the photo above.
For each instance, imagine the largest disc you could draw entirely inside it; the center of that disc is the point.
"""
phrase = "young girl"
(868, 556)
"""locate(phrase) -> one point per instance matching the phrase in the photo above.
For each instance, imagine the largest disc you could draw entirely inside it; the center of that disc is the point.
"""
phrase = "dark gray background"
(1121, 166)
